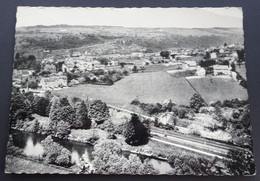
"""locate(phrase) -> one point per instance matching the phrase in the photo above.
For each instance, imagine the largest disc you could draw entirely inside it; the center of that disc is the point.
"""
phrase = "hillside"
(147, 87)
(73, 37)
(218, 88)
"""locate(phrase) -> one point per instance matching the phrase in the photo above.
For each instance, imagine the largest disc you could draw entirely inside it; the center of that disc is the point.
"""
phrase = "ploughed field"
(156, 87)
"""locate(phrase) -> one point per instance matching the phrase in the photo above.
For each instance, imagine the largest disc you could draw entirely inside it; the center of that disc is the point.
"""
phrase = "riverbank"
(19, 165)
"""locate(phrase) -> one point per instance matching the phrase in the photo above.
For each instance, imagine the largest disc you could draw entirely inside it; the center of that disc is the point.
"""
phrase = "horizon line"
(130, 26)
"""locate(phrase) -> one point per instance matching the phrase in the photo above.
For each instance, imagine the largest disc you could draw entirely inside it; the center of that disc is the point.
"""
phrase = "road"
(194, 143)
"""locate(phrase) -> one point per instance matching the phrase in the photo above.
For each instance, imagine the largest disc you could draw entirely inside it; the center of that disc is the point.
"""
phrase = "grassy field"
(147, 87)
(20, 165)
(218, 88)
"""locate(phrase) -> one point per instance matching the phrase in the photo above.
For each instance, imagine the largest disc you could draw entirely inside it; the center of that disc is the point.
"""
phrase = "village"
(212, 61)
(122, 98)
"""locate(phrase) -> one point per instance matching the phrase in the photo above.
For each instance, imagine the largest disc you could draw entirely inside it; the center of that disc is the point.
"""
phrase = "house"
(64, 68)
(182, 57)
(221, 70)
(189, 65)
(213, 55)
(75, 54)
(22, 74)
(166, 118)
(113, 63)
(200, 71)
(53, 82)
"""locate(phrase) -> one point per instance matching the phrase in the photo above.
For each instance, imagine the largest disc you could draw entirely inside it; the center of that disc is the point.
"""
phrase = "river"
(31, 145)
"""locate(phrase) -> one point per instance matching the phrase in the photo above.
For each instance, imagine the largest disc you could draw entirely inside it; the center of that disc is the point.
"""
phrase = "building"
(213, 55)
(53, 82)
(75, 54)
(221, 70)
(189, 65)
(166, 118)
(200, 71)
(113, 63)
(22, 74)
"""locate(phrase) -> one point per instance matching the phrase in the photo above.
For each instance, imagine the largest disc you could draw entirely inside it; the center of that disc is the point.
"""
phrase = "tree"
(108, 159)
(33, 84)
(64, 101)
(17, 56)
(241, 55)
(64, 159)
(82, 119)
(98, 111)
(136, 133)
(196, 102)
(19, 108)
(135, 70)
(60, 113)
(40, 105)
(103, 61)
(122, 64)
(185, 164)
(165, 54)
(242, 163)
(54, 153)
(62, 129)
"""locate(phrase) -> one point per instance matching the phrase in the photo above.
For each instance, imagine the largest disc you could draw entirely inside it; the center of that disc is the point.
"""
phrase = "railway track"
(193, 143)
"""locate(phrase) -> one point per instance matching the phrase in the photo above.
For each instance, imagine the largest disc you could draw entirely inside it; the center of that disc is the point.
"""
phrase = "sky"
(132, 17)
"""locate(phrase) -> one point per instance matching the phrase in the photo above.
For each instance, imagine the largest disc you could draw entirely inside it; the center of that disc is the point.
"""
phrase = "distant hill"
(58, 37)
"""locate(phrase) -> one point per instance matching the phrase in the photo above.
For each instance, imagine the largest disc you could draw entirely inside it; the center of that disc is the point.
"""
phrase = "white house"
(189, 65)
(166, 118)
(200, 71)
(53, 82)
(221, 70)
(213, 55)
(76, 54)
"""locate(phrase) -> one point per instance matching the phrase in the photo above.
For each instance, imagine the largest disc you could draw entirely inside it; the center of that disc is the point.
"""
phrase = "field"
(147, 87)
(218, 88)
(242, 70)
(20, 165)
(158, 86)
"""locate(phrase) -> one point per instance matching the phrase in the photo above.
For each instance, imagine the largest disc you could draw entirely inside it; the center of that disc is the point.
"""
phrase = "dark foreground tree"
(98, 111)
(136, 133)
(40, 105)
(82, 120)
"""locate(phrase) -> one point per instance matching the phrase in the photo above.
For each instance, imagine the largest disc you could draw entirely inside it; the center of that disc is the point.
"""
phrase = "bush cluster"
(55, 153)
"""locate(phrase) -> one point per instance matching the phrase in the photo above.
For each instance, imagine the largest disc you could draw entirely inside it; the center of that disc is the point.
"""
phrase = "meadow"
(218, 88)
(147, 87)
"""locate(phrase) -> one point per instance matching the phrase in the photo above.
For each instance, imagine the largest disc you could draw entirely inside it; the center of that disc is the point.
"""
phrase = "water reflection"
(33, 149)
(31, 145)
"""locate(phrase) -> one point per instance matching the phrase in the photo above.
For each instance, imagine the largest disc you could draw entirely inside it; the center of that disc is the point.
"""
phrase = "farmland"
(158, 86)
(218, 88)
(147, 87)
